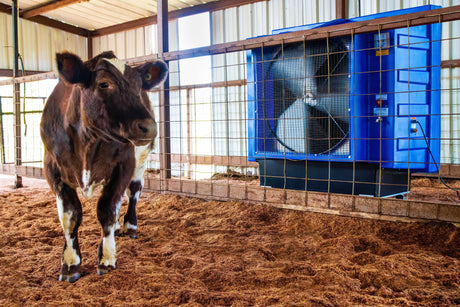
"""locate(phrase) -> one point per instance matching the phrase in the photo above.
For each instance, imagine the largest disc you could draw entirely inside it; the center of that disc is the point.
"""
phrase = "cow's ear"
(153, 74)
(72, 69)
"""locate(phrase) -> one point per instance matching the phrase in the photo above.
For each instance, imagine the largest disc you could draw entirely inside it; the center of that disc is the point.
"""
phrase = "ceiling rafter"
(34, 14)
(146, 21)
(49, 22)
(47, 7)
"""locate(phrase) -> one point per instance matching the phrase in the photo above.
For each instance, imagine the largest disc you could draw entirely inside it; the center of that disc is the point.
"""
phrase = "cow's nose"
(143, 131)
(142, 127)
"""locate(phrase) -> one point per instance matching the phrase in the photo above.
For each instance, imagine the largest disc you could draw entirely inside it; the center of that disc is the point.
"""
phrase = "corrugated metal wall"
(134, 43)
(37, 44)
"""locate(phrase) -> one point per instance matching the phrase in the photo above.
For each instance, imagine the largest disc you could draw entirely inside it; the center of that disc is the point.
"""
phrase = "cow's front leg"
(70, 215)
(108, 209)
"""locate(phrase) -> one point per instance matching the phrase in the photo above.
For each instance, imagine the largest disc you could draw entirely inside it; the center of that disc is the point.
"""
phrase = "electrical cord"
(435, 163)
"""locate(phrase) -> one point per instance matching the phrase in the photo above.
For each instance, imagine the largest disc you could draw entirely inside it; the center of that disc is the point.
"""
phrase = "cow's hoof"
(70, 274)
(104, 269)
(132, 233)
(70, 277)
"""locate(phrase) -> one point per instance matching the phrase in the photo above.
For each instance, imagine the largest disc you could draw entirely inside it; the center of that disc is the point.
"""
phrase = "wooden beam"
(5, 8)
(89, 46)
(47, 7)
(49, 22)
(341, 9)
(450, 63)
(239, 161)
(129, 25)
(146, 21)
(9, 72)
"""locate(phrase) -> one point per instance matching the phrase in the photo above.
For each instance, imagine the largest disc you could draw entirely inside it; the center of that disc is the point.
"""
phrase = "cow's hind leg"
(70, 215)
(130, 219)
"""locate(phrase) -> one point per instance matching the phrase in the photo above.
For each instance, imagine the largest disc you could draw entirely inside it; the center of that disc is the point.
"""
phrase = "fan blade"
(291, 128)
(295, 66)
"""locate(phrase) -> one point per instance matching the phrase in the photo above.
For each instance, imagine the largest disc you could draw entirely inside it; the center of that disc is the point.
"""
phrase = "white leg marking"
(127, 226)
(136, 196)
(109, 250)
(87, 189)
(118, 208)
(70, 256)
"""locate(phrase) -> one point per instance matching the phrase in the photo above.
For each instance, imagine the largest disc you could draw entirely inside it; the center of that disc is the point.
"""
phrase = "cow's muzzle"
(142, 131)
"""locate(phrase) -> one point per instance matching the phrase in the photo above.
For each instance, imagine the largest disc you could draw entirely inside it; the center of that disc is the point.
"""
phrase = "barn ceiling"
(97, 14)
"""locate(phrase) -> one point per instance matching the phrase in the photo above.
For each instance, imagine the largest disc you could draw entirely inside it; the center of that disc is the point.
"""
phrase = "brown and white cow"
(97, 128)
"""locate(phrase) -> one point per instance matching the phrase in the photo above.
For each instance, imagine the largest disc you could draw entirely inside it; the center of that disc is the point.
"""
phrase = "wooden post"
(90, 46)
(165, 121)
(341, 7)
(16, 99)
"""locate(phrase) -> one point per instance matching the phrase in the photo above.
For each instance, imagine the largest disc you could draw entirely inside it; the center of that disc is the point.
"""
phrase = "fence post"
(16, 99)
(2, 148)
(165, 120)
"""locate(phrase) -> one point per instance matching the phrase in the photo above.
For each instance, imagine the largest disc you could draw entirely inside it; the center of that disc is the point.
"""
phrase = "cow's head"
(112, 101)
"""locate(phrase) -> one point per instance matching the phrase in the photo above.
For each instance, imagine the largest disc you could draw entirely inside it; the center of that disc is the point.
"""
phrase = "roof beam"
(150, 20)
(49, 22)
(47, 7)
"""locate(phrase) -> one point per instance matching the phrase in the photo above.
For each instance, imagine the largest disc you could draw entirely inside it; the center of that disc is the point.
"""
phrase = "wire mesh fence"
(305, 123)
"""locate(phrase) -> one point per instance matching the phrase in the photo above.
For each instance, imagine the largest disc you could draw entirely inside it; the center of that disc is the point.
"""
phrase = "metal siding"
(231, 34)
(46, 57)
(260, 21)
(28, 46)
(121, 45)
(326, 10)
(245, 23)
(151, 37)
(6, 42)
(218, 37)
(276, 15)
(310, 12)
(37, 44)
(139, 42)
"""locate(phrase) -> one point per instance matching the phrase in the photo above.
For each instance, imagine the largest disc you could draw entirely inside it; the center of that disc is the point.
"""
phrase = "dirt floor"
(195, 252)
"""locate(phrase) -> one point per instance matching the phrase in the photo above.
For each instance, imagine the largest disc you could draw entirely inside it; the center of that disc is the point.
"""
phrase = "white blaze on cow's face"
(119, 64)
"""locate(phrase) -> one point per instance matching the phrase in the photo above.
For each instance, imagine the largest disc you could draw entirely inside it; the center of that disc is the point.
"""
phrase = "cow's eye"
(148, 76)
(104, 85)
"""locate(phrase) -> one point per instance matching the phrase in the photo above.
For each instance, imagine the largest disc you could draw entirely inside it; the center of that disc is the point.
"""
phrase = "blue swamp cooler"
(352, 115)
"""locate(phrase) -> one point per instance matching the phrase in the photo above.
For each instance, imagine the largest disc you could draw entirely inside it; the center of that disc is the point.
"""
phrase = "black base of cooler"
(290, 174)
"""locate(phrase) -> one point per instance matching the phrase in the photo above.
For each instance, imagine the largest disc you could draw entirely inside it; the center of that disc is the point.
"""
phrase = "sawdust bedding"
(194, 252)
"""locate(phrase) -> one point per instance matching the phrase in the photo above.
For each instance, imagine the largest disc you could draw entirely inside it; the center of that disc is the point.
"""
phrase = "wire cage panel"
(370, 98)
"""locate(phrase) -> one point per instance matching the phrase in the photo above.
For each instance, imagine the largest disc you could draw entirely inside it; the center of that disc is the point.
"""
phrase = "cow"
(97, 128)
